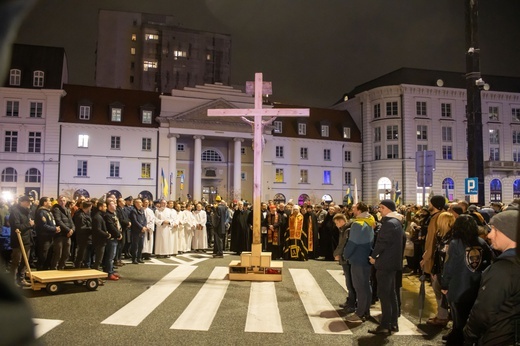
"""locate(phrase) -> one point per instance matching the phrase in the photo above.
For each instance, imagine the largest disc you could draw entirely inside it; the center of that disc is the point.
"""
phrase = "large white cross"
(258, 124)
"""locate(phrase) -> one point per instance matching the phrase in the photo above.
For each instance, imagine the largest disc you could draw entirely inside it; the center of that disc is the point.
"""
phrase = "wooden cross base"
(255, 266)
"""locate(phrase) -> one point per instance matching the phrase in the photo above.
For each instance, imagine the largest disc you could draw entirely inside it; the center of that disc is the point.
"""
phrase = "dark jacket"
(63, 219)
(221, 218)
(460, 277)
(123, 216)
(44, 223)
(100, 235)
(113, 226)
(19, 219)
(138, 220)
(498, 303)
(83, 224)
(388, 250)
(343, 238)
(359, 244)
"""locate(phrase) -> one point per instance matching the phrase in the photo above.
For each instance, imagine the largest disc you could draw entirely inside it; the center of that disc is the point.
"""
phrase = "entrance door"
(209, 193)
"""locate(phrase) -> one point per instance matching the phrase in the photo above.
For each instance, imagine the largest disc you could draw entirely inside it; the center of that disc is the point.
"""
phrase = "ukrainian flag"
(164, 184)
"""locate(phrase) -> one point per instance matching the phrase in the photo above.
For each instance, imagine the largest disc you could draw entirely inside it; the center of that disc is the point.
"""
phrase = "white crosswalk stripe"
(405, 326)
(263, 315)
(42, 326)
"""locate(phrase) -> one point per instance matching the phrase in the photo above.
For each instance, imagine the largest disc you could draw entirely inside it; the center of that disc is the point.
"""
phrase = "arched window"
(33, 175)
(146, 194)
(303, 198)
(516, 189)
(9, 175)
(115, 193)
(327, 198)
(81, 192)
(447, 187)
(495, 189)
(15, 77)
(384, 188)
(279, 198)
(211, 155)
(38, 79)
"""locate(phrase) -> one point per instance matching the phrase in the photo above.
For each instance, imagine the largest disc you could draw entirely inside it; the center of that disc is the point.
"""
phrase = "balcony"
(510, 167)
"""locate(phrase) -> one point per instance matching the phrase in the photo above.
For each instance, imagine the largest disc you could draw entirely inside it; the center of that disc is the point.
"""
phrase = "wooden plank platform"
(46, 276)
(237, 272)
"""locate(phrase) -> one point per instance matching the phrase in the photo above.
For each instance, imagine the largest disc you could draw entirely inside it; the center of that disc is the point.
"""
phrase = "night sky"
(312, 50)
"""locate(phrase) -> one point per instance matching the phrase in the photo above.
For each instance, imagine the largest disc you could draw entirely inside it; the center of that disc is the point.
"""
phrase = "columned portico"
(237, 169)
(197, 168)
(172, 164)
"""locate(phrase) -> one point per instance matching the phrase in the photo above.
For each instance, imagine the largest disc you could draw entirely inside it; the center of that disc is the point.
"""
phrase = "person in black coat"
(83, 225)
(221, 219)
(19, 220)
(240, 239)
(62, 240)
(387, 258)
(114, 229)
(138, 230)
(46, 230)
(100, 234)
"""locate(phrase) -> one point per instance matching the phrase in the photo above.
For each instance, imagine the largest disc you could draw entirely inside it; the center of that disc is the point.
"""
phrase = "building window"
(38, 78)
(326, 154)
(84, 112)
(422, 132)
(132, 50)
(516, 137)
(279, 151)
(9, 175)
(494, 154)
(324, 130)
(392, 151)
(302, 129)
(391, 109)
(304, 153)
(327, 177)
(278, 178)
(148, 65)
(35, 142)
(446, 110)
(115, 114)
(114, 169)
(243, 176)
(377, 152)
(180, 147)
(33, 175)
(447, 152)
(242, 150)
(495, 189)
(448, 185)
(115, 142)
(348, 178)
(134, 37)
(12, 108)
(377, 111)
(304, 176)
(147, 116)
(493, 113)
(377, 134)
(515, 113)
(11, 141)
(151, 37)
(392, 133)
(146, 170)
(211, 155)
(516, 189)
(277, 127)
(83, 141)
(422, 147)
(179, 54)
(146, 144)
(36, 110)
(15, 77)
(82, 168)
(347, 156)
(494, 137)
(516, 154)
(346, 132)
(421, 108)
(446, 134)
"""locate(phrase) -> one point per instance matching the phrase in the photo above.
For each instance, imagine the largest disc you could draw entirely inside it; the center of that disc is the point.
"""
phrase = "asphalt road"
(189, 301)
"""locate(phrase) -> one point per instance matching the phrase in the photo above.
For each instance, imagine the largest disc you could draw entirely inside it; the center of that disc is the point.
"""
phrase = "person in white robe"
(163, 230)
(178, 229)
(150, 225)
(189, 223)
(200, 236)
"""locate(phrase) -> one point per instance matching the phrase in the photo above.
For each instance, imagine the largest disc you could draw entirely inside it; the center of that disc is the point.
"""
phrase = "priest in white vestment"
(163, 230)
(200, 236)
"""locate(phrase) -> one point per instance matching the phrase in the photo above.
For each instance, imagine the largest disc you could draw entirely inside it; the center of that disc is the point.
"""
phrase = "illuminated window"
(279, 175)
(147, 116)
(151, 37)
(149, 65)
(146, 169)
(83, 141)
(116, 114)
(346, 132)
(132, 50)
(179, 54)
(327, 177)
(134, 37)
(324, 130)
(422, 132)
(494, 136)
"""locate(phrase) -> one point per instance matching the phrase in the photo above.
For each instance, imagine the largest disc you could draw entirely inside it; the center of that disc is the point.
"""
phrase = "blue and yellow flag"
(164, 184)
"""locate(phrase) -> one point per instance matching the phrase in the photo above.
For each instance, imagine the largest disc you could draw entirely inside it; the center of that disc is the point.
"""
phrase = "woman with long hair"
(468, 256)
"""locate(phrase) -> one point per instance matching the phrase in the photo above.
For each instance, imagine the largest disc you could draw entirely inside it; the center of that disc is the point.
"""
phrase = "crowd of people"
(449, 244)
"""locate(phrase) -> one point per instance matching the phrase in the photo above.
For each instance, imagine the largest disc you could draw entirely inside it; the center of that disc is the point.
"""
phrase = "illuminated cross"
(258, 113)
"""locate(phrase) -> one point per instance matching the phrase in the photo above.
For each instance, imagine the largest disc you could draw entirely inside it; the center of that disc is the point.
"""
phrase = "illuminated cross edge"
(258, 125)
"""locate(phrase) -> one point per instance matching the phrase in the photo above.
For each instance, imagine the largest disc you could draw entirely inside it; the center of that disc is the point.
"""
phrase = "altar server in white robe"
(178, 229)
(200, 236)
(189, 223)
(163, 231)
(150, 224)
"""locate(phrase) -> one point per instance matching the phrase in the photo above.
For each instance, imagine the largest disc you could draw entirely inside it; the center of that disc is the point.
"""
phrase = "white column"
(172, 164)
(197, 168)
(237, 169)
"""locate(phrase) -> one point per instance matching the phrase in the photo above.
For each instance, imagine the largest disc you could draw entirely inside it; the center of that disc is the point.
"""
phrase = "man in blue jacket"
(138, 230)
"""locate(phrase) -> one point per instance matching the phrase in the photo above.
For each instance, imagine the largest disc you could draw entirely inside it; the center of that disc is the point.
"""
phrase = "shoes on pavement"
(349, 309)
(380, 331)
(135, 262)
(394, 328)
(434, 321)
(116, 274)
(113, 277)
(354, 318)
(140, 261)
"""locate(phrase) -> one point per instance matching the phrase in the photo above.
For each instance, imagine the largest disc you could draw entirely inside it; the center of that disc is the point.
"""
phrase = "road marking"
(42, 326)
(138, 309)
(406, 327)
(159, 262)
(322, 315)
(202, 310)
(263, 315)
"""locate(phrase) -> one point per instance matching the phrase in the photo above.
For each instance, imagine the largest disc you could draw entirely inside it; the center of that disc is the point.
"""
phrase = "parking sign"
(471, 186)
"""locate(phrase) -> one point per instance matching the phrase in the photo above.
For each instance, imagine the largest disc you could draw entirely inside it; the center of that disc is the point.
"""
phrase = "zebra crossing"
(263, 315)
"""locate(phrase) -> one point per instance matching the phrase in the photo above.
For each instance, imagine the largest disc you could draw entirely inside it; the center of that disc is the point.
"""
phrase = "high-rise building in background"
(150, 52)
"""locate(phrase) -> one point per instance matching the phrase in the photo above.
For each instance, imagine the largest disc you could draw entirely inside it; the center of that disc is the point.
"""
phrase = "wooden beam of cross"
(258, 126)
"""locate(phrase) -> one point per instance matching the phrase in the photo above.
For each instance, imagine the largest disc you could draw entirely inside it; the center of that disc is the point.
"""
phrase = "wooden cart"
(52, 280)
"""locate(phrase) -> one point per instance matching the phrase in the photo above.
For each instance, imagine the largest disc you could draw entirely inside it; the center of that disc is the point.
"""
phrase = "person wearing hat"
(387, 258)
(491, 320)
(20, 219)
(436, 205)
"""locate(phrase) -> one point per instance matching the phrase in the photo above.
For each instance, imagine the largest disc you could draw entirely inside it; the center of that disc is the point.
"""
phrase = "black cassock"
(240, 232)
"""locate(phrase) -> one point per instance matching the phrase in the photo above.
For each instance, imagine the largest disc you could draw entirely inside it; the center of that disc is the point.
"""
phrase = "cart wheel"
(92, 284)
(79, 282)
(53, 288)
